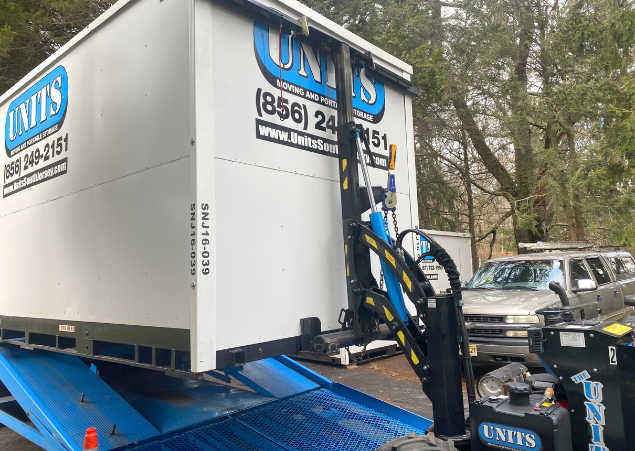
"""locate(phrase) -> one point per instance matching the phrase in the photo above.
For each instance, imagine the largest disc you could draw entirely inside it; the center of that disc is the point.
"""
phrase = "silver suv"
(505, 294)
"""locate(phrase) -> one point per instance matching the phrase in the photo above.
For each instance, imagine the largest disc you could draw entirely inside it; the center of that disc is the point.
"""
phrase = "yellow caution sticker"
(371, 241)
(391, 259)
(370, 301)
(347, 271)
(345, 184)
(406, 280)
(402, 338)
(344, 163)
(346, 250)
(618, 329)
(389, 317)
(413, 357)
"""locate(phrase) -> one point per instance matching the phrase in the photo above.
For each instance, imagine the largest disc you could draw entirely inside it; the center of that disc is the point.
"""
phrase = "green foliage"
(31, 30)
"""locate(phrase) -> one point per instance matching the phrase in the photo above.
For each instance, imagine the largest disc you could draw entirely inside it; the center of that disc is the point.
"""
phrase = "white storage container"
(458, 245)
(154, 198)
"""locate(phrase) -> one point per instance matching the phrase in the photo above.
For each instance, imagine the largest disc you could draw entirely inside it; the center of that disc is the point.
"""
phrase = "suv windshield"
(521, 274)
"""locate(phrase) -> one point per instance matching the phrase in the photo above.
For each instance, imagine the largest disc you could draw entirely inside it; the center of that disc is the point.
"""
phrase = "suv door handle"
(616, 293)
(599, 298)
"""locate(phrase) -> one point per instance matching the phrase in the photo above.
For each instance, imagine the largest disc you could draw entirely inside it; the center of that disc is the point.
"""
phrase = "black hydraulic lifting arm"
(430, 339)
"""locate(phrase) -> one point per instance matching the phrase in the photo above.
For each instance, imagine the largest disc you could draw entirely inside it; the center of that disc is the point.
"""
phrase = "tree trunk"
(568, 216)
(521, 135)
(471, 220)
(522, 235)
(574, 165)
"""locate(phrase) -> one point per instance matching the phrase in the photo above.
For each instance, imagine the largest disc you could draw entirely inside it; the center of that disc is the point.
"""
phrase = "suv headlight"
(516, 333)
(528, 319)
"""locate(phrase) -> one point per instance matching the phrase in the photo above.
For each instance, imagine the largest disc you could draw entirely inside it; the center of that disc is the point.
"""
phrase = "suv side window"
(600, 272)
(618, 265)
(578, 272)
(629, 265)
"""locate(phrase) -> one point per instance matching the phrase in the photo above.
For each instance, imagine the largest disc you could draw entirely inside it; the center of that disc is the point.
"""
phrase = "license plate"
(473, 352)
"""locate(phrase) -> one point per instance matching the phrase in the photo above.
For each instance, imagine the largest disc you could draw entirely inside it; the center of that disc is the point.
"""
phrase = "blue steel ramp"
(319, 420)
(292, 409)
(272, 378)
(49, 386)
(306, 412)
(171, 403)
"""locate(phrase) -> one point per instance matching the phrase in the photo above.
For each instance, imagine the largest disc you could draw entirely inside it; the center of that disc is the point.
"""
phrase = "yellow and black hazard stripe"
(382, 306)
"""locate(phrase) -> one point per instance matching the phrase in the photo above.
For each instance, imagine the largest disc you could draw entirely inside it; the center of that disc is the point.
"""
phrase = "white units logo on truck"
(298, 107)
(509, 438)
(35, 116)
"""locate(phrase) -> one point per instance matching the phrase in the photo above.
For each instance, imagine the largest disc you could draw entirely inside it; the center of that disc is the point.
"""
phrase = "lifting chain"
(394, 222)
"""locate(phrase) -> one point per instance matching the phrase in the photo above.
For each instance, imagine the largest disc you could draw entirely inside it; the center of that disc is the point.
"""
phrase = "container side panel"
(280, 251)
(95, 221)
(280, 256)
(101, 255)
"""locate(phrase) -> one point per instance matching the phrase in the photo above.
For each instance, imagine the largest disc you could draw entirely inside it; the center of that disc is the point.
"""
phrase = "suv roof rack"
(564, 246)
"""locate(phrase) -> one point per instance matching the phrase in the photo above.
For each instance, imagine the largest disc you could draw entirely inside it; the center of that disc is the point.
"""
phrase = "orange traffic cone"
(90, 440)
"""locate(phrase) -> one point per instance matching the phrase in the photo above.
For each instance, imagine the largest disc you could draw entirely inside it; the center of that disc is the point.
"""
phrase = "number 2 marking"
(612, 355)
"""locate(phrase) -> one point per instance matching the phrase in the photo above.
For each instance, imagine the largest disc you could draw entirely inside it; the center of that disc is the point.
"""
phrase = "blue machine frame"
(291, 408)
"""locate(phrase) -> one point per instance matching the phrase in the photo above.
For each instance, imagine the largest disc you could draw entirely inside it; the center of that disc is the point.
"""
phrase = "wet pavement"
(391, 379)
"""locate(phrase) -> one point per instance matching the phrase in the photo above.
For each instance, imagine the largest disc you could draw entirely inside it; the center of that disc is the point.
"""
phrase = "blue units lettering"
(293, 65)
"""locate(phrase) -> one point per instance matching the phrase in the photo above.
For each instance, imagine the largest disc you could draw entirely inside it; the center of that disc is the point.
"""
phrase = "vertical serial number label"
(205, 240)
(193, 239)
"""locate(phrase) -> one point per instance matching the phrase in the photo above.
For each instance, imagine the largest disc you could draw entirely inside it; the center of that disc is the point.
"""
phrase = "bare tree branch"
(496, 226)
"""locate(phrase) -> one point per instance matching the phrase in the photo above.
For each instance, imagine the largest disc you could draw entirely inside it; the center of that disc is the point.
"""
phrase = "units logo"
(423, 247)
(595, 410)
(310, 73)
(37, 113)
(509, 438)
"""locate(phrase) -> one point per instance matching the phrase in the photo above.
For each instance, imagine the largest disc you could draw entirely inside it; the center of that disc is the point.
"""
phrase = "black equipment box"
(595, 363)
(511, 423)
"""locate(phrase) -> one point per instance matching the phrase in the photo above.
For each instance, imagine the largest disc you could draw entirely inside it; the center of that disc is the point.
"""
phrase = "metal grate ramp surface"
(50, 387)
(273, 377)
(315, 421)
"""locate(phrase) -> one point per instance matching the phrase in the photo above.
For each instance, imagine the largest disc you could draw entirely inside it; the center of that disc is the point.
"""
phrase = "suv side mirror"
(464, 284)
(585, 285)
